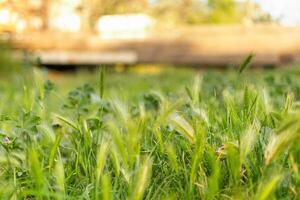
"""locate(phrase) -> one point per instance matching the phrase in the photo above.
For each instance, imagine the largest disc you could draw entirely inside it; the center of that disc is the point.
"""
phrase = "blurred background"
(72, 34)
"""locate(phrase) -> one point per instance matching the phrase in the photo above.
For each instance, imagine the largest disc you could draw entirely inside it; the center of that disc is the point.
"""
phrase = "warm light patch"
(67, 22)
(5, 16)
(124, 26)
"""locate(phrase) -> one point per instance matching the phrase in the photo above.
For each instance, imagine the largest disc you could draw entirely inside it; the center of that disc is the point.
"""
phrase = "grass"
(176, 135)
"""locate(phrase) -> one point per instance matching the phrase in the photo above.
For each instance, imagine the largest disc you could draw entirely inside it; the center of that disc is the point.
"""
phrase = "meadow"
(179, 134)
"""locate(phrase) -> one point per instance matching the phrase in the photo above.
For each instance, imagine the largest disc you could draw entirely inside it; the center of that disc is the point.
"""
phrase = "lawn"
(176, 134)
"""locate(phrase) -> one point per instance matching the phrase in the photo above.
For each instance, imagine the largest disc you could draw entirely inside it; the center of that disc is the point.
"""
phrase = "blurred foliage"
(8, 65)
(179, 11)
(224, 11)
(174, 12)
(91, 10)
(211, 11)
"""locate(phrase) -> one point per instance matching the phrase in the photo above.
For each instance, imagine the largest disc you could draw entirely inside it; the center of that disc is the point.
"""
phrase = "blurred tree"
(32, 14)
(169, 12)
(255, 14)
(224, 11)
(179, 11)
(91, 10)
(208, 11)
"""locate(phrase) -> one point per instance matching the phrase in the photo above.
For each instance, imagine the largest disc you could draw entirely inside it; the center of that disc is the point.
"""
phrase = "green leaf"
(67, 121)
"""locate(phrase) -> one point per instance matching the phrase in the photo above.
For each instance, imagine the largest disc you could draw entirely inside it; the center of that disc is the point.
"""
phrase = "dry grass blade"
(248, 140)
(59, 175)
(141, 180)
(183, 127)
(101, 158)
(281, 142)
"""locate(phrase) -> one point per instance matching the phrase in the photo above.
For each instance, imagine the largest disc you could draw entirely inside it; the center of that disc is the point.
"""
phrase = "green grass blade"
(246, 63)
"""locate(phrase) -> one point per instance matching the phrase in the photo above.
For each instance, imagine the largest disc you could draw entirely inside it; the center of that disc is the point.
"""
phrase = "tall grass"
(226, 136)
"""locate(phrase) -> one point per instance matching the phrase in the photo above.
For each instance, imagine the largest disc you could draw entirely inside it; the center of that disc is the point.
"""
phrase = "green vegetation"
(221, 135)
(224, 11)
(91, 10)
(193, 12)
(8, 65)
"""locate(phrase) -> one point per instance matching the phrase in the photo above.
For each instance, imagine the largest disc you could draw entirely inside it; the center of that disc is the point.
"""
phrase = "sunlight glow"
(66, 22)
(124, 26)
(5, 16)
